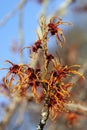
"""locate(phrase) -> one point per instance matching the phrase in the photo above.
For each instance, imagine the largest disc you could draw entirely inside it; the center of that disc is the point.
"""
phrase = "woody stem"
(45, 114)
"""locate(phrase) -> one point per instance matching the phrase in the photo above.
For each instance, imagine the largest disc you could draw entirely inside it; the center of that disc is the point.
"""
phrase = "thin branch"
(43, 120)
(62, 9)
(12, 13)
(44, 7)
(21, 38)
(10, 111)
(45, 114)
(77, 108)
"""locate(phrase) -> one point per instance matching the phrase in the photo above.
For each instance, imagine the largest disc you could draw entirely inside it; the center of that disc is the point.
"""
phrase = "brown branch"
(43, 120)
(77, 108)
(45, 114)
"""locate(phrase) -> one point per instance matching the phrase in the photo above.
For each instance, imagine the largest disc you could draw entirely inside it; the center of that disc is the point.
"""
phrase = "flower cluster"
(49, 86)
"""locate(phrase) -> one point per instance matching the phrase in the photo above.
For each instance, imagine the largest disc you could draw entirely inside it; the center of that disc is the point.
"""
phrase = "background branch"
(77, 107)
(13, 12)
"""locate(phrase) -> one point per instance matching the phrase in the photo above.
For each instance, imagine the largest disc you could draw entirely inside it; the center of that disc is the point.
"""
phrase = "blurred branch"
(9, 113)
(44, 7)
(21, 28)
(21, 114)
(78, 108)
(13, 12)
(62, 9)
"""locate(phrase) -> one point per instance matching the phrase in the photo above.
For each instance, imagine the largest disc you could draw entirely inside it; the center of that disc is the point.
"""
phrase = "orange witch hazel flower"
(55, 30)
(13, 72)
(72, 119)
(37, 45)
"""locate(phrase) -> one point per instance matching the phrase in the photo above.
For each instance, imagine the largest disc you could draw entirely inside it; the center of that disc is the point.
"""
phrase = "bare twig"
(10, 111)
(77, 108)
(12, 13)
(44, 7)
(62, 9)
(21, 28)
